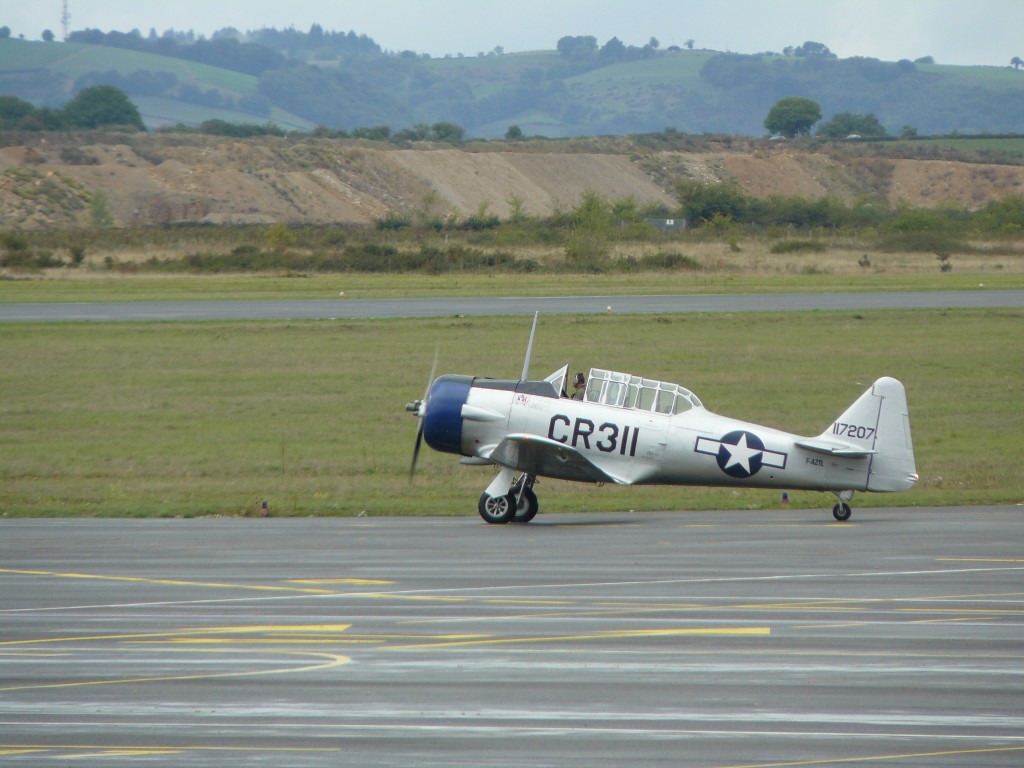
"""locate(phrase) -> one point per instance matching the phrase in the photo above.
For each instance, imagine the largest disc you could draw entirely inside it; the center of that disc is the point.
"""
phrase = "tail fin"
(877, 425)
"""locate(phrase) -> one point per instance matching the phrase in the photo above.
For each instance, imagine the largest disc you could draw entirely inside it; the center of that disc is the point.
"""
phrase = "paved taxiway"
(329, 309)
(696, 639)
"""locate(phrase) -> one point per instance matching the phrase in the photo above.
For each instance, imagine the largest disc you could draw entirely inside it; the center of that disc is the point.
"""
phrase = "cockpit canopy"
(626, 391)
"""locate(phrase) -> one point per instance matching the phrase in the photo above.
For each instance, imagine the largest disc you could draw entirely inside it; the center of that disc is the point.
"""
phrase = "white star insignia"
(740, 454)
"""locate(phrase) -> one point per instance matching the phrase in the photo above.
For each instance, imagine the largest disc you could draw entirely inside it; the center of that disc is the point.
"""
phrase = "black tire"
(528, 507)
(842, 512)
(497, 510)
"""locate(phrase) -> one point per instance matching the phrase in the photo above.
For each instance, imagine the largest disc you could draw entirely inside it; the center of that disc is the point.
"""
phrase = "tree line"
(100, 106)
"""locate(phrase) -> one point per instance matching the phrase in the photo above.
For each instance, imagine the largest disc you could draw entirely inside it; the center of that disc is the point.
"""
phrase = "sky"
(978, 32)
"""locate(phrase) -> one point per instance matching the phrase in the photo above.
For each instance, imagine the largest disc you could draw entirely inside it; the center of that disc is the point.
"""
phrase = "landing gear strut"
(526, 500)
(506, 501)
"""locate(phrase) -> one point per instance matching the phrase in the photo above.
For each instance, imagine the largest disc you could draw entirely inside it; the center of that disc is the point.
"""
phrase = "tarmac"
(711, 639)
(351, 308)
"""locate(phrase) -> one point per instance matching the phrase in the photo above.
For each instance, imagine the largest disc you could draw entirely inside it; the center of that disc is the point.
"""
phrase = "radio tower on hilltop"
(65, 17)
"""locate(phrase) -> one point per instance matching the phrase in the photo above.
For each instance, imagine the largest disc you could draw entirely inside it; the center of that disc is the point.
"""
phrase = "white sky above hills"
(980, 32)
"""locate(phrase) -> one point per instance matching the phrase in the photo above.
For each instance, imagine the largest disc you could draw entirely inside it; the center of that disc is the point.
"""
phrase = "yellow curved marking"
(169, 582)
(185, 633)
(334, 660)
(95, 750)
(882, 758)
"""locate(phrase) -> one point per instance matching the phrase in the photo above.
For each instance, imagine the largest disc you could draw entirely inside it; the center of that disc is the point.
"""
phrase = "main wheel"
(528, 506)
(842, 512)
(497, 509)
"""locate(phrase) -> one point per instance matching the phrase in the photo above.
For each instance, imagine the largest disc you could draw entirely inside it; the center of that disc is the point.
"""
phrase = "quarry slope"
(151, 179)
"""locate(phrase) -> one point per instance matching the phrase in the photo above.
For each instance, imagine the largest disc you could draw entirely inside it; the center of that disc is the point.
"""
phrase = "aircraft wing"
(835, 448)
(549, 458)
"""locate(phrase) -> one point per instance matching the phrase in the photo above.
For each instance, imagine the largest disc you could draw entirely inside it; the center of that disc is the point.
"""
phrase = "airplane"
(631, 430)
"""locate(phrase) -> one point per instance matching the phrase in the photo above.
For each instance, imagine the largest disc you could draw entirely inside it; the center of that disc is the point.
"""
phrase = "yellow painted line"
(275, 628)
(32, 655)
(16, 751)
(333, 660)
(345, 639)
(945, 621)
(168, 582)
(719, 631)
(474, 600)
(340, 581)
(96, 749)
(829, 605)
(884, 758)
(168, 636)
(120, 753)
(259, 641)
(983, 611)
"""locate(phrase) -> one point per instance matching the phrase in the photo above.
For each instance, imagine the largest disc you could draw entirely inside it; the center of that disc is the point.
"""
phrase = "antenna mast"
(65, 17)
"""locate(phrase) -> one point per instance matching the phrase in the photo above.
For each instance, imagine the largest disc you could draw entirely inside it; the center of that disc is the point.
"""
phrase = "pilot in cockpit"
(579, 383)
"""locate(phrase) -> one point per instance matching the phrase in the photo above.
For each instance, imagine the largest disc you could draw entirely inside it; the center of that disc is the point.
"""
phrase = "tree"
(811, 48)
(793, 116)
(514, 133)
(701, 202)
(449, 133)
(614, 49)
(102, 105)
(1016, 62)
(47, 36)
(581, 46)
(5, 32)
(14, 112)
(845, 124)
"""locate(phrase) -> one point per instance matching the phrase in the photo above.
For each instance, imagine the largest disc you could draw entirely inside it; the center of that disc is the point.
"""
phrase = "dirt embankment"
(156, 179)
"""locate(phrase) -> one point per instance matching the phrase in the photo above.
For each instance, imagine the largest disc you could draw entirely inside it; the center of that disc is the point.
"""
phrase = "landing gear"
(497, 509)
(527, 504)
(506, 501)
(841, 511)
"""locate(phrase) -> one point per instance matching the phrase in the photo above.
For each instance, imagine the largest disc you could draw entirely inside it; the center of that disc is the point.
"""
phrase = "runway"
(331, 309)
(715, 640)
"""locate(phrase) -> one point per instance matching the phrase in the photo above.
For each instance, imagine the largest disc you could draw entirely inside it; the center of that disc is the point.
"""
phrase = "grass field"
(212, 418)
(753, 270)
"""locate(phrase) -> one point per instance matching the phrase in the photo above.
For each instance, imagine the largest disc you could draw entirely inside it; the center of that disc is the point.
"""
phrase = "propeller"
(419, 407)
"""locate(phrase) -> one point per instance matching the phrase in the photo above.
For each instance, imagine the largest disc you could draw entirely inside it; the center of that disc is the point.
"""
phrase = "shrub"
(667, 260)
(799, 246)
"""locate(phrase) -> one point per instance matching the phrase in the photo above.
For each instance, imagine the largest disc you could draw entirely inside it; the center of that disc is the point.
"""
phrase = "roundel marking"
(740, 454)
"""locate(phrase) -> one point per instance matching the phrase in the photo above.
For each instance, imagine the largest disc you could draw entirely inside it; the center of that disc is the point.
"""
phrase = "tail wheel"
(842, 512)
(497, 510)
(528, 506)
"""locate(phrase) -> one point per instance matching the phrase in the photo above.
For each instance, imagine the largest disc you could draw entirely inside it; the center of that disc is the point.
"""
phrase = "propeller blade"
(416, 451)
(421, 411)
(430, 378)
(529, 347)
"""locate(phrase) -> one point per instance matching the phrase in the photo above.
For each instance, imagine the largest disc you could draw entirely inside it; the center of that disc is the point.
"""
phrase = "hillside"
(53, 180)
(589, 91)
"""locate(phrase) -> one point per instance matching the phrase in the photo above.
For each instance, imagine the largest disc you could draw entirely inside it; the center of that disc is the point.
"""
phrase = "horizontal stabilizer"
(835, 449)
(538, 455)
